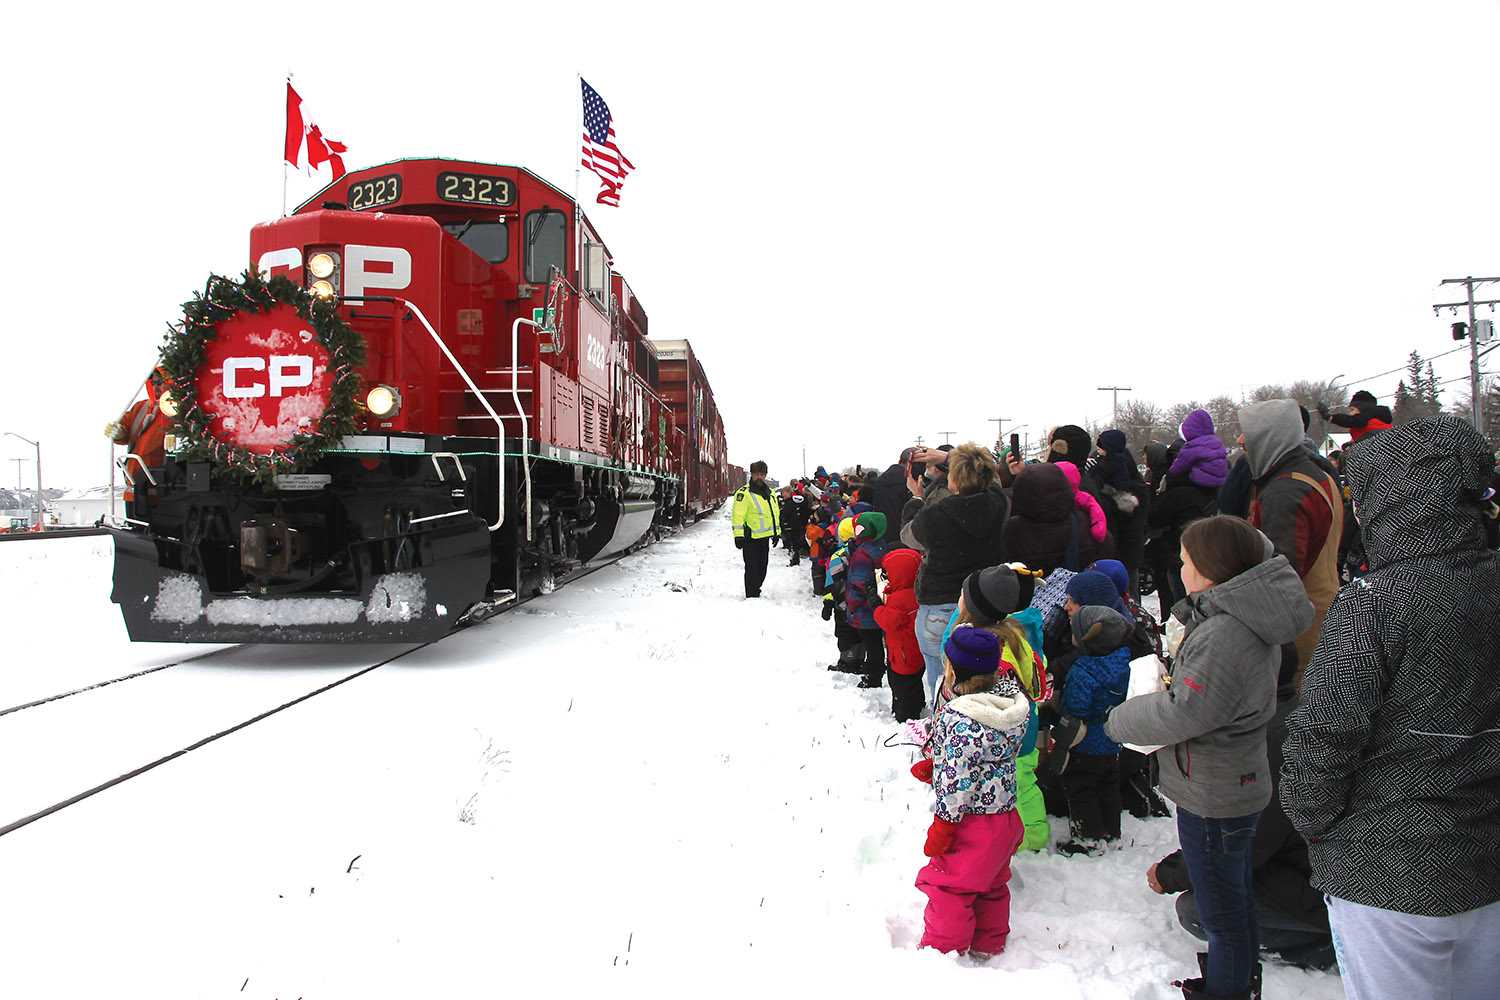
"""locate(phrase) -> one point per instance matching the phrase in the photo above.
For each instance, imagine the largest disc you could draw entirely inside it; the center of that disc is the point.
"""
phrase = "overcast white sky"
(872, 220)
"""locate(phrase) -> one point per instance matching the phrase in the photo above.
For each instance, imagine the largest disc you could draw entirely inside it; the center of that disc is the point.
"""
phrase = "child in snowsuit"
(866, 550)
(851, 649)
(897, 618)
(975, 828)
(1097, 682)
(1203, 459)
(819, 548)
(1098, 523)
(996, 600)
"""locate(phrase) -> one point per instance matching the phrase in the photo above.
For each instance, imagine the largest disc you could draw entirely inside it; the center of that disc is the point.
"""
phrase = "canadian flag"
(320, 148)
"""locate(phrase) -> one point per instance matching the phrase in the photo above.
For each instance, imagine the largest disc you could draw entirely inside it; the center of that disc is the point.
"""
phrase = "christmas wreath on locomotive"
(430, 396)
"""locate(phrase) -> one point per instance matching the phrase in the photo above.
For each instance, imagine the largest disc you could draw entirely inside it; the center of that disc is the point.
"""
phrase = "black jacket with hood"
(1046, 530)
(960, 533)
(1392, 762)
(888, 494)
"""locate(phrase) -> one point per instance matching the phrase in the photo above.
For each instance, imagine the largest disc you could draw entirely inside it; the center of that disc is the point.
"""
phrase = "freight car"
(432, 395)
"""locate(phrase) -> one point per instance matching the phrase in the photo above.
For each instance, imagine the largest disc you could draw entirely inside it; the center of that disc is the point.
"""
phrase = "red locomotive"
(511, 422)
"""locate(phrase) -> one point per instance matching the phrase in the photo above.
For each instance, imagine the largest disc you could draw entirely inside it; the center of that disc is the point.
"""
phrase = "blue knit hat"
(1116, 571)
(1092, 588)
(972, 651)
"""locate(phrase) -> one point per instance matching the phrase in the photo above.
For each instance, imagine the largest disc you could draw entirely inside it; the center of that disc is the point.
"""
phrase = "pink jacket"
(1098, 526)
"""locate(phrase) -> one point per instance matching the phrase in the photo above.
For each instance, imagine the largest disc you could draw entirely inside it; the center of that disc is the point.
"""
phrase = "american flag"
(600, 154)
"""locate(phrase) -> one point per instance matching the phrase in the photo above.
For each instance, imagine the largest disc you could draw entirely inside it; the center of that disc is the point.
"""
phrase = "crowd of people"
(1315, 697)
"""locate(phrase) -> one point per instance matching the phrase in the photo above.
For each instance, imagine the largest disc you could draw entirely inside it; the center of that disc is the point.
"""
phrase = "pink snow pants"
(968, 890)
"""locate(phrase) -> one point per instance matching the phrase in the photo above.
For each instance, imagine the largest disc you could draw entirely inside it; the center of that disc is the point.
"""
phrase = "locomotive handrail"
(464, 374)
(124, 463)
(515, 395)
(437, 467)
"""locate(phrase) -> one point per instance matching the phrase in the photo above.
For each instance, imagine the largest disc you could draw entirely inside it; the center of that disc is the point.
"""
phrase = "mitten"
(739, 542)
(827, 610)
(939, 837)
(922, 770)
(1323, 409)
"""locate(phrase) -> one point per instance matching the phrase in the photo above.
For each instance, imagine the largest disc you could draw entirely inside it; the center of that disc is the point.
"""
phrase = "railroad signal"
(1460, 331)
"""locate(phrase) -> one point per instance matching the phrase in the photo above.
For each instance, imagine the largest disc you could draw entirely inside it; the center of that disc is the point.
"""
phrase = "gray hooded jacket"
(1213, 717)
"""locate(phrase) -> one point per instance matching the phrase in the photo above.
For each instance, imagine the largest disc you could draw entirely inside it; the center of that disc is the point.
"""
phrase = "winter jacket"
(796, 510)
(1125, 497)
(960, 533)
(1046, 530)
(1298, 507)
(1098, 678)
(897, 615)
(1098, 524)
(934, 491)
(1202, 460)
(888, 494)
(1392, 767)
(865, 555)
(757, 513)
(1178, 506)
(975, 741)
(1364, 421)
(1234, 495)
(1213, 717)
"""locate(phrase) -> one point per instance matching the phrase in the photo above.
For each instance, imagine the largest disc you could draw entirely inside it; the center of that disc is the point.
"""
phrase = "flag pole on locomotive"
(756, 523)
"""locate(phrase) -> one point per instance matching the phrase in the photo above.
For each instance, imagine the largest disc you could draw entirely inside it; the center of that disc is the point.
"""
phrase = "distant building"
(84, 507)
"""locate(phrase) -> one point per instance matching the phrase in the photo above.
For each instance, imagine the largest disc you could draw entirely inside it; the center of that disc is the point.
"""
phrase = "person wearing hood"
(1071, 443)
(1097, 682)
(897, 617)
(888, 494)
(1244, 603)
(866, 550)
(756, 521)
(1046, 530)
(1098, 523)
(1202, 460)
(1364, 417)
(835, 600)
(1179, 502)
(796, 513)
(958, 534)
(1126, 500)
(975, 830)
(1298, 506)
(1392, 761)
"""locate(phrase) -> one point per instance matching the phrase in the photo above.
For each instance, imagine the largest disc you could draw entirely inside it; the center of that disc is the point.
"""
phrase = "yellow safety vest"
(753, 511)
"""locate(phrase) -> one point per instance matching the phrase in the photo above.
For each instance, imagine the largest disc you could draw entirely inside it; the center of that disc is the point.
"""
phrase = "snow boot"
(1192, 989)
(1196, 985)
(869, 681)
(1090, 846)
(979, 957)
(850, 662)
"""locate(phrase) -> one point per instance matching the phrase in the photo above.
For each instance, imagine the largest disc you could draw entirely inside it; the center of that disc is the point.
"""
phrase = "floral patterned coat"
(975, 741)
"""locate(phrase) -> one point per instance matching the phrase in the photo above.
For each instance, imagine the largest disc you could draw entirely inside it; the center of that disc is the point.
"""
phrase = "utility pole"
(40, 515)
(919, 441)
(999, 423)
(804, 461)
(946, 435)
(1477, 409)
(1116, 390)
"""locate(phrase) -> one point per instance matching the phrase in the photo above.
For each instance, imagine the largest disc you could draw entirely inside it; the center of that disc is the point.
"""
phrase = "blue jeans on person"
(932, 622)
(1220, 859)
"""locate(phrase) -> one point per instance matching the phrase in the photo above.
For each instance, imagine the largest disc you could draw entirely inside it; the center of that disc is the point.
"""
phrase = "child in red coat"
(897, 618)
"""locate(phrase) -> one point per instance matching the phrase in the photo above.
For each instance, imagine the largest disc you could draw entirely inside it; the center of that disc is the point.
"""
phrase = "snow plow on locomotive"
(431, 396)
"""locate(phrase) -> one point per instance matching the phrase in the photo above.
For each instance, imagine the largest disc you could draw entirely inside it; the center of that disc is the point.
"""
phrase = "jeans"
(1220, 859)
(932, 622)
(1383, 953)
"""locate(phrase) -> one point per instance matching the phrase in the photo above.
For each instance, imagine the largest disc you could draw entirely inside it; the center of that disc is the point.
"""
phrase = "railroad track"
(90, 787)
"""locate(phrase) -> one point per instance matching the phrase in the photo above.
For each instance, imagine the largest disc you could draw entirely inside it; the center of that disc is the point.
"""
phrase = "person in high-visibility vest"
(757, 526)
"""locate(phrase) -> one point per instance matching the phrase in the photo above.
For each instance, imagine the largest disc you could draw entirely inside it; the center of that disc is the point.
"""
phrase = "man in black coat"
(888, 494)
(796, 510)
(1392, 761)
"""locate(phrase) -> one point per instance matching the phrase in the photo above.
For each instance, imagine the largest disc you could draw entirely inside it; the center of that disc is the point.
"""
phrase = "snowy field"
(641, 782)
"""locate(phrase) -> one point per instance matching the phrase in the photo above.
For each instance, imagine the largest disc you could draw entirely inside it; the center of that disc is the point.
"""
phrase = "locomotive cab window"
(490, 240)
(546, 242)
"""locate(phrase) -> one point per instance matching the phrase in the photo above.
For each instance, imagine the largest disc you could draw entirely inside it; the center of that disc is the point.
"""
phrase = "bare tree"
(1140, 419)
(1262, 393)
(1177, 413)
(1226, 414)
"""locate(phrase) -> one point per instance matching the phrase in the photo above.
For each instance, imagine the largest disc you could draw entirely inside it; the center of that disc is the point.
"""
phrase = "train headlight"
(321, 265)
(322, 289)
(383, 401)
(167, 404)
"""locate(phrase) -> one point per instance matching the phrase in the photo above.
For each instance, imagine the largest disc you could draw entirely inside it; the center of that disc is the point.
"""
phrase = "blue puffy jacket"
(1095, 685)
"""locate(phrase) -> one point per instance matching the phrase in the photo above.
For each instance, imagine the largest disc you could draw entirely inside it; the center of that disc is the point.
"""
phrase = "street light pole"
(37, 445)
(1477, 397)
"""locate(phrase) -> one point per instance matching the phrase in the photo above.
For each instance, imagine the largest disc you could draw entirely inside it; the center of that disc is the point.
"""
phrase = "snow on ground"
(642, 781)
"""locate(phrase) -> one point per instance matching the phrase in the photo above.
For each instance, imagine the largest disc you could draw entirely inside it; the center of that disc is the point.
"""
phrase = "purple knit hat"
(972, 651)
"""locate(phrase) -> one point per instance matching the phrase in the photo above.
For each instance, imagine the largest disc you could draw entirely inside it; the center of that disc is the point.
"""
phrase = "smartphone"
(1015, 446)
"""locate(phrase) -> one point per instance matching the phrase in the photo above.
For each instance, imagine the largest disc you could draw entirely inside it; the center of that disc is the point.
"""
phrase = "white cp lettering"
(393, 275)
(287, 371)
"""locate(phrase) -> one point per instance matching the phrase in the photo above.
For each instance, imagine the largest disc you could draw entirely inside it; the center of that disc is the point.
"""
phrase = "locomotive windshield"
(546, 242)
(490, 240)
